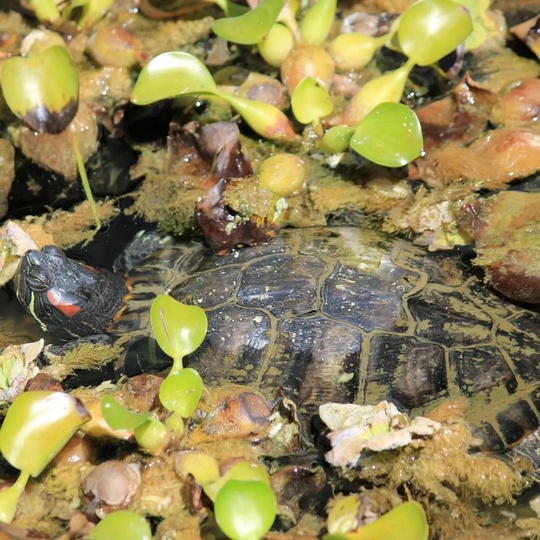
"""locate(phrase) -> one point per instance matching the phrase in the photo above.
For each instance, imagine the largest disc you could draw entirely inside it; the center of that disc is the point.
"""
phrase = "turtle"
(331, 314)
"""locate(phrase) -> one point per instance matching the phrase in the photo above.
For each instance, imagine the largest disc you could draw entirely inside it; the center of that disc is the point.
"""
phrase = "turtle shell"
(352, 315)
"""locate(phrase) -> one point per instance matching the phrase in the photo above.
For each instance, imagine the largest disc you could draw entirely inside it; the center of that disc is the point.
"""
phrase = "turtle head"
(68, 298)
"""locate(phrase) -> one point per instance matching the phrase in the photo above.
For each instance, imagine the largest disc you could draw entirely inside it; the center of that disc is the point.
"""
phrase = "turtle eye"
(38, 281)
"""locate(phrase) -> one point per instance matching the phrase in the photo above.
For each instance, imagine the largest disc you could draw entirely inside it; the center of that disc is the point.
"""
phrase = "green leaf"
(245, 510)
(42, 90)
(37, 426)
(178, 328)
(45, 10)
(431, 29)
(181, 391)
(118, 417)
(389, 135)
(337, 139)
(169, 75)
(251, 27)
(121, 524)
(387, 87)
(264, 118)
(408, 518)
(317, 23)
(310, 101)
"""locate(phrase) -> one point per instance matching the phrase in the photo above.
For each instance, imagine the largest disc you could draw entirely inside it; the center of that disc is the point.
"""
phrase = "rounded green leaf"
(245, 510)
(118, 417)
(408, 518)
(337, 139)
(251, 27)
(389, 135)
(310, 101)
(121, 524)
(181, 391)
(431, 29)
(42, 90)
(169, 75)
(317, 23)
(45, 10)
(37, 426)
(178, 328)
(151, 435)
(275, 47)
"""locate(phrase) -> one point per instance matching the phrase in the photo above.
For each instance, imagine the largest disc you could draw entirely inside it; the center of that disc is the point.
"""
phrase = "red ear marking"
(69, 310)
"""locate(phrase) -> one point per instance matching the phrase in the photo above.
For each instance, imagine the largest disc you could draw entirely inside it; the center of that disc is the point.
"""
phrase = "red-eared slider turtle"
(333, 314)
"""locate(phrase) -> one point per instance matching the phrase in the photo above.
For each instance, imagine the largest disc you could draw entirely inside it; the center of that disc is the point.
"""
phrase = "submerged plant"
(36, 427)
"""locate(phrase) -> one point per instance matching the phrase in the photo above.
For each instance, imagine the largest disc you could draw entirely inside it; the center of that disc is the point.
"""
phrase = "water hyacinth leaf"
(337, 139)
(251, 27)
(45, 10)
(37, 426)
(431, 29)
(152, 435)
(389, 135)
(387, 87)
(408, 518)
(178, 328)
(317, 23)
(245, 510)
(275, 47)
(169, 75)
(181, 391)
(310, 101)
(121, 524)
(42, 90)
(118, 417)
(244, 471)
(92, 10)
(263, 118)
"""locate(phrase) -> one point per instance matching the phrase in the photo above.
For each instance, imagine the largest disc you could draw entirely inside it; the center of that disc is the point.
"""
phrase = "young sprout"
(390, 135)
(36, 427)
(45, 10)
(251, 27)
(178, 328)
(431, 29)
(121, 524)
(317, 22)
(176, 73)
(149, 433)
(278, 43)
(34, 94)
(311, 101)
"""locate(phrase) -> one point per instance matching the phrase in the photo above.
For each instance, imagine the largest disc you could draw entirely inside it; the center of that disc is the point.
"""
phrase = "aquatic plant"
(42, 89)
(150, 433)
(121, 524)
(245, 510)
(175, 74)
(179, 330)
(408, 518)
(89, 11)
(36, 427)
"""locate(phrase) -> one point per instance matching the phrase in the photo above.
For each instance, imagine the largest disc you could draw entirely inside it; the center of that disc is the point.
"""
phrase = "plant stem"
(10, 497)
(84, 180)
